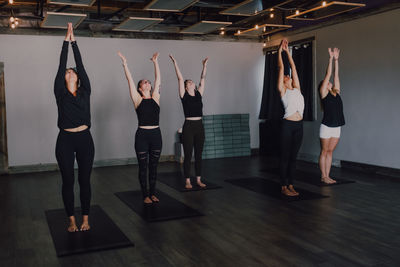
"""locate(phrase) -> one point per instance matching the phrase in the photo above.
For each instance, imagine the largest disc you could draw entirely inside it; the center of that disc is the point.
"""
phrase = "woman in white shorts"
(333, 119)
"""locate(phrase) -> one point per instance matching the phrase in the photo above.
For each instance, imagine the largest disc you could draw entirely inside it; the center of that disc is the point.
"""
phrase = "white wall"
(233, 85)
(370, 82)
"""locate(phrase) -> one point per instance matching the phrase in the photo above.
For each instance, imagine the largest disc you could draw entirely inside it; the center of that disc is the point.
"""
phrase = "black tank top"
(333, 111)
(192, 105)
(148, 112)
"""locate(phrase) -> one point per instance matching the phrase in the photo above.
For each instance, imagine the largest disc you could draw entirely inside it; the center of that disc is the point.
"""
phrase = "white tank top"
(293, 101)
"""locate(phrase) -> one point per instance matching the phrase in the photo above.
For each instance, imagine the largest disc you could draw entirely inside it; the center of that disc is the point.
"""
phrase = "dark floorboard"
(358, 225)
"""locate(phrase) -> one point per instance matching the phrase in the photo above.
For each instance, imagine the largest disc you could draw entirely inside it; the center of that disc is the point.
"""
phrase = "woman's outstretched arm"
(203, 76)
(59, 83)
(280, 85)
(336, 81)
(135, 96)
(295, 76)
(157, 79)
(323, 90)
(179, 76)
(85, 83)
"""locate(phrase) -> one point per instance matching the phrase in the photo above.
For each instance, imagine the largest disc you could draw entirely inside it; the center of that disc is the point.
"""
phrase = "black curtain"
(302, 56)
(271, 104)
(271, 107)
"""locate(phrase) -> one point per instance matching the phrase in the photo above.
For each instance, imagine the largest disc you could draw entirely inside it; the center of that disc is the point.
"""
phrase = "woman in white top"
(292, 123)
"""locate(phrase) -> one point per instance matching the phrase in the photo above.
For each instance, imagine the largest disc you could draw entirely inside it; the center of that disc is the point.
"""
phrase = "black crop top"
(73, 111)
(192, 105)
(148, 112)
(333, 111)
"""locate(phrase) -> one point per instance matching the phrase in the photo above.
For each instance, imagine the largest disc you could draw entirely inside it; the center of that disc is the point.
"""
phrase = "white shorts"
(328, 132)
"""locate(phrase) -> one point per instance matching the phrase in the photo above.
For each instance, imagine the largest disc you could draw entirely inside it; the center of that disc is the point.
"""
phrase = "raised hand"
(68, 35)
(330, 51)
(154, 57)
(281, 46)
(205, 61)
(71, 29)
(122, 57)
(172, 58)
(285, 45)
(336, 52)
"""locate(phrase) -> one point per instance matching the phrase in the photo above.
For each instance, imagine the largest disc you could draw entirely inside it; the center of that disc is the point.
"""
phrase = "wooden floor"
(359, 225)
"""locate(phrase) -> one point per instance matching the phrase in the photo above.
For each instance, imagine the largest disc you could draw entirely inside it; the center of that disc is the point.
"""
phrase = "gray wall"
(233, 85)
(370, 82)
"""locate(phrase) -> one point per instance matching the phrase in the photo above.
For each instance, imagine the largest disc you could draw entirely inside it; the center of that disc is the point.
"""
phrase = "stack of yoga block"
(227, 135)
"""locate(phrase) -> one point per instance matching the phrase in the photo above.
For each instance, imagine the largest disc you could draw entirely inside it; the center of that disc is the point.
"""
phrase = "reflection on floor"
(358, 225)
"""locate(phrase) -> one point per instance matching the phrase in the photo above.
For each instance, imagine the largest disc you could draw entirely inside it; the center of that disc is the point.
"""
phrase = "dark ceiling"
(103, 15)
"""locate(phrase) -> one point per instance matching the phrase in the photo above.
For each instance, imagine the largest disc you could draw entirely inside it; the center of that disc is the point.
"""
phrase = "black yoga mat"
(167, 209)
(310, 177)
(272, 188)
(103, 234)
(177, 181)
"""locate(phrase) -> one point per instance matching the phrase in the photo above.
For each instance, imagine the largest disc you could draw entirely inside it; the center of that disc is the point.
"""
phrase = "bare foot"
(85, 225)
(147, 200)
(72, 225)
(188, 184)
(287, 192)
(200, 183)
(291, 189)
(328, 180)
(154, 198)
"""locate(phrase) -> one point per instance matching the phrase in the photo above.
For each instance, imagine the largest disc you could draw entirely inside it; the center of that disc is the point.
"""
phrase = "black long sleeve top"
(73, 111)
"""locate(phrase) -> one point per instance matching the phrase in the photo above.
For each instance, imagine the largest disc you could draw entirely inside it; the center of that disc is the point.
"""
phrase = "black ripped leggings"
(148, 144)
(291, 138)
(80, 145)
(192, 137)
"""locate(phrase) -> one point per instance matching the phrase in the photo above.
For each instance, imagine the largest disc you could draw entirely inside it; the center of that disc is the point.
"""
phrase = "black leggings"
(192, 136)
(68, 146)
(148, 144)
(291, 137)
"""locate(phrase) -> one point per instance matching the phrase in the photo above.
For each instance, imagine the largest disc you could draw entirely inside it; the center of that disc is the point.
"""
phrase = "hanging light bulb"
(297, 12)
(265, 44)
(271, 9)
(271, 15)
(12, 19)
(222, 32)
(238, 32)
(16, 22)
(256, 26)
(13, 25)
(324, 3)
(11, 2)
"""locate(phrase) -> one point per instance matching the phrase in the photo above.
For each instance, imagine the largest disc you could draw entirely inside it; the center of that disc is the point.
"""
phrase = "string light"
(222, 32)
(11, 2)
(271, 15)
(324, 3)
(13, 25)
(16, 22)
(271, 9)
(12, 19)
(297, 12)
(256, 26)
(265, 29)
(265, 44)
(238, 32)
